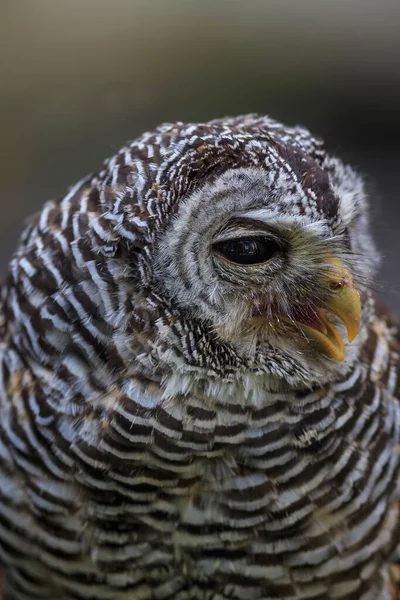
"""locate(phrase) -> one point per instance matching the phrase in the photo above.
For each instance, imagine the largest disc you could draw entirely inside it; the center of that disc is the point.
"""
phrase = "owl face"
(268, 271)
(202, 257)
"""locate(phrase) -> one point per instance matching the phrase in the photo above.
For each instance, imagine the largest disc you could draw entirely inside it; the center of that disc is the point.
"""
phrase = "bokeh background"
(80, 77)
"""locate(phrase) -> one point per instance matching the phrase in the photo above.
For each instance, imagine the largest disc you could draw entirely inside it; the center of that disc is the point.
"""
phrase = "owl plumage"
(199, 393)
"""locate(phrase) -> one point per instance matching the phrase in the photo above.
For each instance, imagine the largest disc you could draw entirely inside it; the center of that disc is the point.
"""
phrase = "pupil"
(243, 248)
(247, 250)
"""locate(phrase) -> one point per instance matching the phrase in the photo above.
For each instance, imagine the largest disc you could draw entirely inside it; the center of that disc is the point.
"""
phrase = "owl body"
(198, 391)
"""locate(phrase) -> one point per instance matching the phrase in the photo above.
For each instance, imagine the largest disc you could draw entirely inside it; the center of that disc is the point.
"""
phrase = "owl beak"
(343, 302)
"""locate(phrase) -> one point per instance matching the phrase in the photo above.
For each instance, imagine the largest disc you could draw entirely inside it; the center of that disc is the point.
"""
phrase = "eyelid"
(235, 231)
(244, 233)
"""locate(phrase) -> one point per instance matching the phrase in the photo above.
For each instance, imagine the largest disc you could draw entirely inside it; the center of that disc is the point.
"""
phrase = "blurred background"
(79, 78)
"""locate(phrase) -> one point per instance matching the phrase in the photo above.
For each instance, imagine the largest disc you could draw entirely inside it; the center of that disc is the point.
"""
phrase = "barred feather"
(145, 454)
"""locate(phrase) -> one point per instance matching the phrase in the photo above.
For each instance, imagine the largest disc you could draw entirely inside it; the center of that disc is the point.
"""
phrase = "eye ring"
(248, 250)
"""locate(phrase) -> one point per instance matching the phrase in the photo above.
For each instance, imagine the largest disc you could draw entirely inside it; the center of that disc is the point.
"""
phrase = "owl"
(199, 393)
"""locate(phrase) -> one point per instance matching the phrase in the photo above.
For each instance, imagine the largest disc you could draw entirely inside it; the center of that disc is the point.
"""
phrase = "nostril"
(335, 286)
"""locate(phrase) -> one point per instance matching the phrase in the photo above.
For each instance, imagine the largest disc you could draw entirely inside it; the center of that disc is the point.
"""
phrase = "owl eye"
(247, 250)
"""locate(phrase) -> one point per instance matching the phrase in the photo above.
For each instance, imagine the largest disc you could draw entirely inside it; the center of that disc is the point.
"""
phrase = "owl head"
(234, 252)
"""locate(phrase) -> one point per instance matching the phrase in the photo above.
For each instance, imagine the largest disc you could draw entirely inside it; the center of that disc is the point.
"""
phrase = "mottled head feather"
(117, 275)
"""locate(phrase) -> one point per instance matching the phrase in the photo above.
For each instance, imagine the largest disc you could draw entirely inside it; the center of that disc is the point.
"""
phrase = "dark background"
(80, 77)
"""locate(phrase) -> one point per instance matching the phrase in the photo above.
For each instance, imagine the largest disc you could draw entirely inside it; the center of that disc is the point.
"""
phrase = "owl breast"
(248, 501)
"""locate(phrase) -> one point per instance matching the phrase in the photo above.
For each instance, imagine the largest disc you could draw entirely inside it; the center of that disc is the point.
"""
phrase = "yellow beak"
(343, 301)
